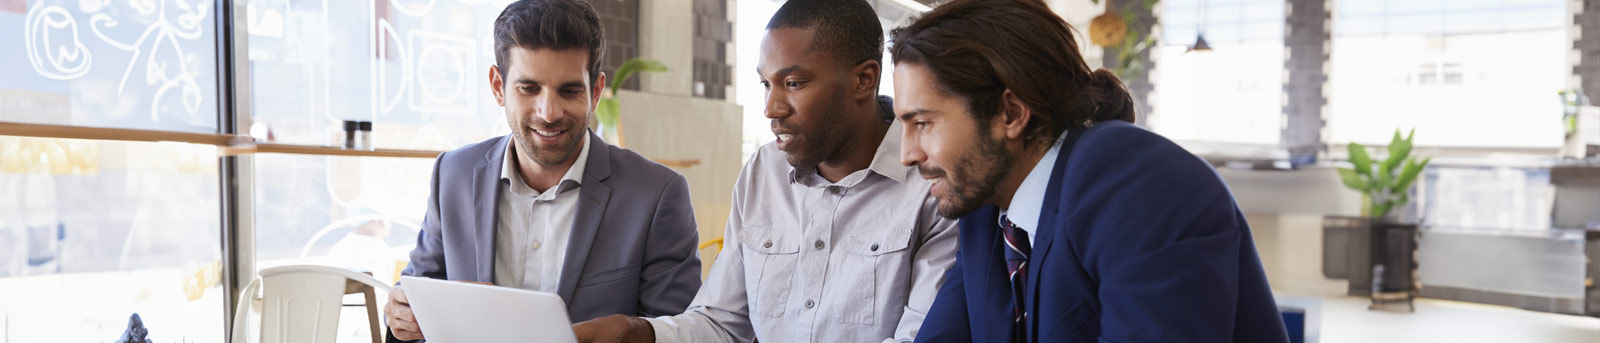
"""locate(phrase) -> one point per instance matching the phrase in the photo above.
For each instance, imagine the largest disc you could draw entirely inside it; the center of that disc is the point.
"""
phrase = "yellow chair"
(717, 242)
(710, 259)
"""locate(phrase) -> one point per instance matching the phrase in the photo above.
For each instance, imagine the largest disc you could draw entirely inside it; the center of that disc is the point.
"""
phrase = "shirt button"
(818, 244)
(810, 303)
(768, 244)
(874, 246)
(535, 245)
(833, 189)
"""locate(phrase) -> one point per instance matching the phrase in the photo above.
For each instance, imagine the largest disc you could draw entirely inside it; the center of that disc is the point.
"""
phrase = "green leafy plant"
(1129, 65)
(1571, 100)
(1387, 184)
(609, 111)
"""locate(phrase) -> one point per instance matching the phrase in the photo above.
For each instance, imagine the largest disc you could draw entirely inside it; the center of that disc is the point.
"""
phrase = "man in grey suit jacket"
(551, 207)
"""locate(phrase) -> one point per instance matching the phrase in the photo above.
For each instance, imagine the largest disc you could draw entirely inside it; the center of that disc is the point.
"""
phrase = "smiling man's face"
(965, 158)
(548, 97)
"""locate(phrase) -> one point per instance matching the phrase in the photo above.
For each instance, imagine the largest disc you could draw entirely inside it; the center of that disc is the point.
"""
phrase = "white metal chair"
(301, 303)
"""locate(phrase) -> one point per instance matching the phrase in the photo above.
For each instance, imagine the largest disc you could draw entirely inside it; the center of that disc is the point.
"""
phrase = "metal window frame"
(235, 173)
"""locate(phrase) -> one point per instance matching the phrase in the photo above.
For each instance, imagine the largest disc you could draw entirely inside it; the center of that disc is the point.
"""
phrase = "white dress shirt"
(1028, 202)
(532, 228)
(806, 260)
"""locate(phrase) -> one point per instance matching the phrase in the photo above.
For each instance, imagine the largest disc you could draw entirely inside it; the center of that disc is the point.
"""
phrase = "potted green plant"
(609, 112)
(1385, 186)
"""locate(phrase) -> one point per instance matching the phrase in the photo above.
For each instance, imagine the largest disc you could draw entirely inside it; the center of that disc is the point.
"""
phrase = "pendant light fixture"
(1200, 32)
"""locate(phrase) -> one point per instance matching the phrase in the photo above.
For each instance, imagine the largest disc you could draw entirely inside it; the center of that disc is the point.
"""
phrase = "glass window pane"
(1413, 69)
(126, 64)
(1179, 35)
(1354, 8)
(1355, 26)
(92, 232)
(1234, 92)
(1415, 23)
(1268, 12)
(358, 213)
(417, 69)
(310, 209)
(1467, 5)
(1543, 17)
(1474, 21)
(1261, 31)
(1218, 14)
(1402, 7)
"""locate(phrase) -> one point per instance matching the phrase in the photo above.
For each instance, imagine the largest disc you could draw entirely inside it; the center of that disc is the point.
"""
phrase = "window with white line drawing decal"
(143, 64)
(417, 69)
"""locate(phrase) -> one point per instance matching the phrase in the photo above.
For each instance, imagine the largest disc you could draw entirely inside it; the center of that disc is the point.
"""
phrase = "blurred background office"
(156, 154)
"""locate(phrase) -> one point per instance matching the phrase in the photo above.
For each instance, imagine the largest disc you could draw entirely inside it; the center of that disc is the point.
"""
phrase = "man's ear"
(594, 92)
(865, 79)
(1015, 114)
(496, 85)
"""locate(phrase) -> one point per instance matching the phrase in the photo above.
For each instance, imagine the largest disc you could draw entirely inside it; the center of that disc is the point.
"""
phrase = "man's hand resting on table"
(615, 328)
(399, 317)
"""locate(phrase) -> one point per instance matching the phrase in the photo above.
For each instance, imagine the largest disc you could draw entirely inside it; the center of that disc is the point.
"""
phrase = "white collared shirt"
(532, 228)
(807, 260)
(1028, 202)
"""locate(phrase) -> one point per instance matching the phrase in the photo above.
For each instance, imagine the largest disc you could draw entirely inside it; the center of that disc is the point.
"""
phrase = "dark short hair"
(847, 29)
(976, 50)
(549, 24)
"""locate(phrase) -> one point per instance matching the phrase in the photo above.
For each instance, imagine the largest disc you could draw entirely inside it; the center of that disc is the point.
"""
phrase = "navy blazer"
(1139, 241)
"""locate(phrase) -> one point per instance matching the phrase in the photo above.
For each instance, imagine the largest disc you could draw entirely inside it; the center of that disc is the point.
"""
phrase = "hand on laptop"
(615, 328)
(398, 315)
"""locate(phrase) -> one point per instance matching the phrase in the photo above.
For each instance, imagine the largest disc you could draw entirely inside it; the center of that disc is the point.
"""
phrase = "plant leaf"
(1399, 149)
(1410, 175)
(1352, 180)
(1379, 210)
(1407, 176)
(1383, 178)
(607, 111)
(633, 66)
(1358, 157)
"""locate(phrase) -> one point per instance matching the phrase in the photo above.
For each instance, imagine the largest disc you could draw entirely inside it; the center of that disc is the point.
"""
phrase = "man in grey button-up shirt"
(830, 238)
(550, 206)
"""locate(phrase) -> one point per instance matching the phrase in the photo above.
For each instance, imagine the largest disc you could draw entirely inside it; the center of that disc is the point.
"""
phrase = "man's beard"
(975, 178)
(822, 143)
(556, 153)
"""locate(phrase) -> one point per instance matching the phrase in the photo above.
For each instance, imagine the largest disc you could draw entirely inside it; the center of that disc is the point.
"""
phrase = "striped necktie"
(1017, 250)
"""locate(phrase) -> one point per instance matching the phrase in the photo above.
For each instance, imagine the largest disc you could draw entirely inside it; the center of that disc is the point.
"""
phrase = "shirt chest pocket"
(876, 277)
(770, 257)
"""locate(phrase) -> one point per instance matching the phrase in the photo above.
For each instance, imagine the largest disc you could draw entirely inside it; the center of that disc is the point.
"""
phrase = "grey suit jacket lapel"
(593, 195)
(486, 191)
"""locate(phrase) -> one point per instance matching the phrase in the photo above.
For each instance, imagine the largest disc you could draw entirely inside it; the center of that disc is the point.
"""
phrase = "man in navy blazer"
(1076, 226)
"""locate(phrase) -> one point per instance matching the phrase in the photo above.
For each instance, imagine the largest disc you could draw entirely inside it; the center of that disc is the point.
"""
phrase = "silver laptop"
(460, 312)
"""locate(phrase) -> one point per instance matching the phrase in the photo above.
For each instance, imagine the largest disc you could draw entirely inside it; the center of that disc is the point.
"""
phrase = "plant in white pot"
(1385, 186)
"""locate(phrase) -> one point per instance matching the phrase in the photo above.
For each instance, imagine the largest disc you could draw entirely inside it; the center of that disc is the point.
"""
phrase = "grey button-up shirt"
(805, 260)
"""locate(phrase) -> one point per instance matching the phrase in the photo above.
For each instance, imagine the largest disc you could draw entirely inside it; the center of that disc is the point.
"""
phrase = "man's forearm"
(691, 326)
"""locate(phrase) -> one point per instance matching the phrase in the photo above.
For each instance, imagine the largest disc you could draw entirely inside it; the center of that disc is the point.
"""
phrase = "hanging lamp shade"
(1199, 44)
(1107, 30)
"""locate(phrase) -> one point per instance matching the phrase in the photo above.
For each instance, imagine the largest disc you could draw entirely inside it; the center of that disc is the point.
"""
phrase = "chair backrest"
(299, 303)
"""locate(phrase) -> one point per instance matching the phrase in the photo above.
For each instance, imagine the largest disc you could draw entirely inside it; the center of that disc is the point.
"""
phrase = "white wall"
(664, 121)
